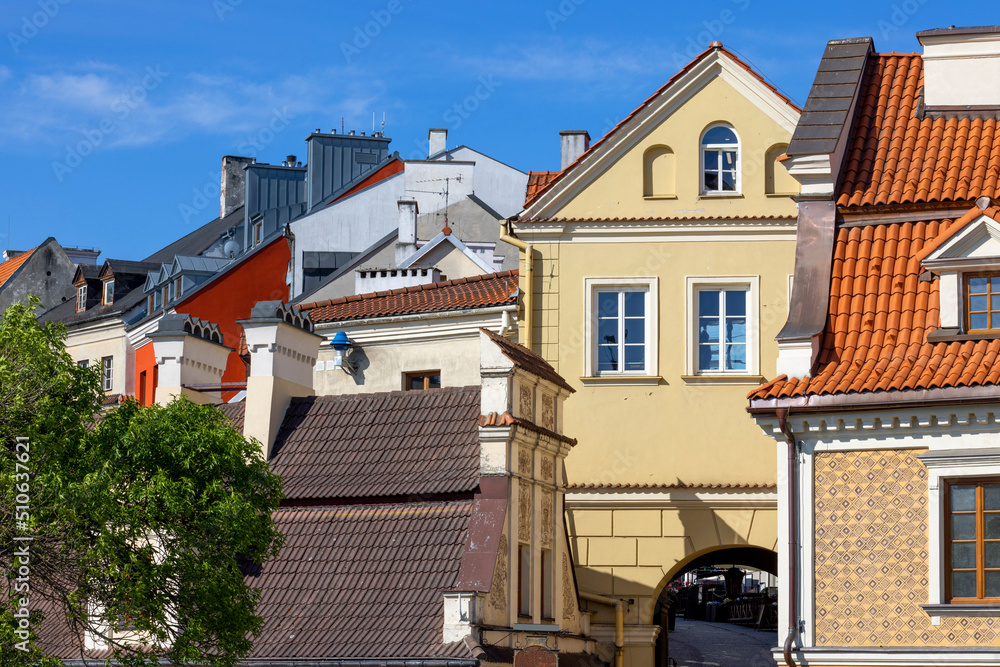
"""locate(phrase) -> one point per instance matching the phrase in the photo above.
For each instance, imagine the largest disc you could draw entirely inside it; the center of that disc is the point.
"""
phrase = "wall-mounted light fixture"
(343, 347)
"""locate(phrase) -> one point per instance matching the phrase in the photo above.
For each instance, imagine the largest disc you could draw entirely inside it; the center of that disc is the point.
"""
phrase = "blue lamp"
(342, 347)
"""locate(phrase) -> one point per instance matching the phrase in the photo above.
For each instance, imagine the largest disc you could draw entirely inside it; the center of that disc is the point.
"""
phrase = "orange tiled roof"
(492, 289)
(879, 315)
(894, 157)
(668, 486)
(687, 68)
(537, 180)
(8, 268)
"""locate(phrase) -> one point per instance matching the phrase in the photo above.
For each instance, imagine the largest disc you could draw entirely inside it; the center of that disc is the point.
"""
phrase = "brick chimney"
(283, 351)
(961, 68)
(190, 357)
(572, 144)
(233, 183)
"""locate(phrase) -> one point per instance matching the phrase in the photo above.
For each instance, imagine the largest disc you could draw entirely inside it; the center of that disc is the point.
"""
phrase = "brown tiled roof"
(8, 268)
(234, 412)
(894, 157)
(491, 289)
(413, 443)
(880, 313)
(361, 582)
(527, 360)
(537, 180)
(687, 68)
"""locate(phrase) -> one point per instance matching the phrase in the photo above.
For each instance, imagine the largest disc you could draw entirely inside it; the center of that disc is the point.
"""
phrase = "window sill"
(656, 197)
(780, 194)
(720, 195)
(939, 335)
(936, 611)
(620, 380)
(723, 379)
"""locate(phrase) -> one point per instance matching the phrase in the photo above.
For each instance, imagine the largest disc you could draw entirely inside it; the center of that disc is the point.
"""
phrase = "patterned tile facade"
(871, 555)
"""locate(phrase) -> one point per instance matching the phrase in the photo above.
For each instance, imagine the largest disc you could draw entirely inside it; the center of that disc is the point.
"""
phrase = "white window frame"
(109, 292)
(737, 149)
(591, 287)
(81, 298)
(943, 466)
(108, 373)
(695, 284)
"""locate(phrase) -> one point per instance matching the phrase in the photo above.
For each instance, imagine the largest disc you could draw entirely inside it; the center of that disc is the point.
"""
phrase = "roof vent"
(961, 68)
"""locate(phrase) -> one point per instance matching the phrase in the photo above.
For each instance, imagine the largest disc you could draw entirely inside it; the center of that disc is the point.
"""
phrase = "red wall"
(145, 361)
(227, 298)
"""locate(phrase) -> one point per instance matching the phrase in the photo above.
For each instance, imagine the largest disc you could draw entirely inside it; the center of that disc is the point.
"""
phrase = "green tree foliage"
(140, 517)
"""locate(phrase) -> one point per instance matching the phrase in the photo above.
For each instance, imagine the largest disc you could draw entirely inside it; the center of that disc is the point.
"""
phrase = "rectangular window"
(142, 388)
(421, 380)
(547, 584)
(107, 366)
(524, 580)
(81, 298)
(972, 556)
(83, 363)
(150, 304)
(982, 302)
(109, 292)
(166, 296)
(722, 330)
(720, 170)
(621, 332)
(177, 288)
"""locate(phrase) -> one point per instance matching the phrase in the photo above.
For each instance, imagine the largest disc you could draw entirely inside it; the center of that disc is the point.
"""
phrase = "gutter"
(619, 605)
(793, 540)
(529, 276)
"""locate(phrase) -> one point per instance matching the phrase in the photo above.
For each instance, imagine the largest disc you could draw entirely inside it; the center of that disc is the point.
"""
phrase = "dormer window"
(109, 292)
(150, 304)
(982, 303)
(177, 288)
(166, 295)
(81, 298)
(720, 161)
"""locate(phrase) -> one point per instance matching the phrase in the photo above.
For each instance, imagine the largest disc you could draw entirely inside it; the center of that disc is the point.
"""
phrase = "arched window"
(777, 180)
(720, 172)
(658, 172)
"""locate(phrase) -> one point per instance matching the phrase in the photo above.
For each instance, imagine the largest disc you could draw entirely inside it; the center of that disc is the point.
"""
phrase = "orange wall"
(145, 362)
(227, 298)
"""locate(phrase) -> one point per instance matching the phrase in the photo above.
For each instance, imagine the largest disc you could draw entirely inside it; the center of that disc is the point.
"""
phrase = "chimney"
(190, 358)
(233, 183)
(572, 144)
(961, 68)
(406, 244)
(437, 138)
(283, 351)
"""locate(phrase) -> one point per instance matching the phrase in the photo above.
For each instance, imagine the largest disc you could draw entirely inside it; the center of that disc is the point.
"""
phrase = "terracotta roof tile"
(8, 268)
(896, 157)
(672, 219)
(492, 289)
(537, 180)
(380, 445)
(880, 313)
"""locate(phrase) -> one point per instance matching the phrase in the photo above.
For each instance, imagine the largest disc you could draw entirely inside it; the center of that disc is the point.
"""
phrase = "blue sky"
(114, 114)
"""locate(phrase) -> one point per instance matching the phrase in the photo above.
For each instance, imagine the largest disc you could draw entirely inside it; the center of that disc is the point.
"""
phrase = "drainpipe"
(793, 538)
(619, 606)
(529, 275)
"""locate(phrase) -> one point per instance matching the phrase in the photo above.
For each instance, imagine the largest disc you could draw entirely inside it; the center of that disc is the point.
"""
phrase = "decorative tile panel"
(568, 599)
(524, 512)
(524, 462)
(871, 555)
(498, 587)
(548, 412)
(527, 399)
(547, 526)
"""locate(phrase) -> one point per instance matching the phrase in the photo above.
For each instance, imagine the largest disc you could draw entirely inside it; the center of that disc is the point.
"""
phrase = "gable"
(607, 181)
(978, 239)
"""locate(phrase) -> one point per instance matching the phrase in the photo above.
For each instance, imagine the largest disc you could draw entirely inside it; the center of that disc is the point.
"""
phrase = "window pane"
(635, 304)
(634, 357)
(736, 330)
(708, 303)
(963, 584)
(708, 357)
(711, 182)
(963, 555)
(607, 358)
(729, 160)
(994, 302)
(736, 357)
(977, 303)
(963, 526)
(607, 331)
(993, 584)
(607, 304)
(977, 285)
(416, 382)
(978, 321)
(635, 330)
(963, 498)
(736, 302)
(995, 283)
(991, 526)
(435, 382)
(728, 181)
(719, 135)
(708, 330)
(991, 496)
(992, 553)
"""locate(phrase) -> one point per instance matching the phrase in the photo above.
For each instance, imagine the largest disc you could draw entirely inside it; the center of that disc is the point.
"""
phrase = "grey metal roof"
(200, 239)
(831, 97)
(199, 264)
(124, 267)
(360, 258)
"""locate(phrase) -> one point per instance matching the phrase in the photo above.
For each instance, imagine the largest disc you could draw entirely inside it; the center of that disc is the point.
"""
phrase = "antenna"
(383, 123)
(341, 124)
(373, 122)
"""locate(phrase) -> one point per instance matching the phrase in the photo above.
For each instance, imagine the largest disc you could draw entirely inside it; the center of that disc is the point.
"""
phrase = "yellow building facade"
(655, 274)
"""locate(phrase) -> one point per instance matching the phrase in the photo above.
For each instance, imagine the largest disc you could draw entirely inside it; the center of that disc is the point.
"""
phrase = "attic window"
(177, 288)
(81, 298)
(719, 161)
(109, 292)
(422, 380)
(982, 303)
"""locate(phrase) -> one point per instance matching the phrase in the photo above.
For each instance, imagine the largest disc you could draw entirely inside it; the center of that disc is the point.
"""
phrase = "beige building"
(655, 274)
